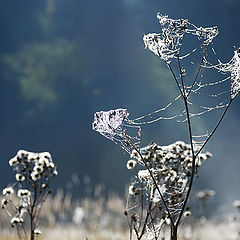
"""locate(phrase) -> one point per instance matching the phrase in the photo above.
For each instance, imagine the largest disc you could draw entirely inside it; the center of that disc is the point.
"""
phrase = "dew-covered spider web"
(206, 87)
(114, 125)
(206, 82)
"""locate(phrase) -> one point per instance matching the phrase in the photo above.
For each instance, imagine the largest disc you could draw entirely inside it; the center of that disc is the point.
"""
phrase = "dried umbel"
(171, 168)
(33, 175)
(31, 167)
(167, 44)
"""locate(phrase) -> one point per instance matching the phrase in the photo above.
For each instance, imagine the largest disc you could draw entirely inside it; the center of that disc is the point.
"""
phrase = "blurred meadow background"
(61, 61)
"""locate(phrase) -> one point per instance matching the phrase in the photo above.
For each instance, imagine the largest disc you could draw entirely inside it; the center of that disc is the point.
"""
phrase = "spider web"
(208, 87)
(114, 125)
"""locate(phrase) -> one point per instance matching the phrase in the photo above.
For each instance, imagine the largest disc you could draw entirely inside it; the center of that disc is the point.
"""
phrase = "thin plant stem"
(217, 125)
(175, 78)
(191, 143)
(198, 71)
(190, 137)
(196, 77)
(155, 183)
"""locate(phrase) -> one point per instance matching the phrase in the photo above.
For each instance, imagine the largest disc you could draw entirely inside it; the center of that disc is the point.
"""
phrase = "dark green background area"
(61, 61)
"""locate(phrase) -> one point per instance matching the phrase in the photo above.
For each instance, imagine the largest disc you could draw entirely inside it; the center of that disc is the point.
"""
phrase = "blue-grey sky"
(61, 61)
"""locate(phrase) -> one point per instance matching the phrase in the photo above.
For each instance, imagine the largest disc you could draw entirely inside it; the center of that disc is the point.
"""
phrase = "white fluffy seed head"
(7, 191)
(19, 177)
(131, 164)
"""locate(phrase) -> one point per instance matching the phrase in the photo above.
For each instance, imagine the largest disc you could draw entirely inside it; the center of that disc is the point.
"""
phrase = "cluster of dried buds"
(32, 167)
(33, 172)
(171, 167)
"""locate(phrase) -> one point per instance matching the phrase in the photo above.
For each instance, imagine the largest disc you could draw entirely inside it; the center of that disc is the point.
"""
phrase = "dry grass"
(210, 231)
(104, 220)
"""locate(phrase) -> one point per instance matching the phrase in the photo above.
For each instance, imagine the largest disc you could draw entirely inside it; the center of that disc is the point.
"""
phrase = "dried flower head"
(7, 191)
(170, 166)
(13, 161)
(206, 194)
(236, 204)
(187, 213)
(23, 193)
(131, 164)
(133, 190)
(4, 203)
(36, 176)
(37, 231)
(33, 173)
(16, 220)
(19, 177)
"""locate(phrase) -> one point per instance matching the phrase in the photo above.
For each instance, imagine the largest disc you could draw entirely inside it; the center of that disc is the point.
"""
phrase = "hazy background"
(63, 60)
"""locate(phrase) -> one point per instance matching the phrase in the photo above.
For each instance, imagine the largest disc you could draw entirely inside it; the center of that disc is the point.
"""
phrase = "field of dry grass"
(102, 218)
(210, 231)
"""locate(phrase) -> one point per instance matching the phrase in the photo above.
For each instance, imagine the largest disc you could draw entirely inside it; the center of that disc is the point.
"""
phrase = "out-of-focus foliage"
(39, 69)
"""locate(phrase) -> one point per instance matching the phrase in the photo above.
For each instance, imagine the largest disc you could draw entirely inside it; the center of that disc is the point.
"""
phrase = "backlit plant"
(24, 199)
(160, 191)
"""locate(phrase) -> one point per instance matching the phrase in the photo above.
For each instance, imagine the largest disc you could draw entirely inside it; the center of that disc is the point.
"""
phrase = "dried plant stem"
(33, 212)
(217, 125)
(155, 183)
(191, 143)
(185, 96)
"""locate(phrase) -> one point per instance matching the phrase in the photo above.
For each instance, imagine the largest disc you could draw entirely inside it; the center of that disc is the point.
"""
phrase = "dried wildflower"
(171, 167)
(182, 182)
(7, 191)
(33, 171)
(38, 169)
(165, 220)
(134, 154)
(132, 190)
(131, 164)
(205, 194)
(16, 220)
(44, 186)
(187, 213)
(4, 203)
(143, 175)
(208, 154)
(13, 161)
(19, 177)
(236, 204)
(171, 176)
(35, 176)
(37, 231)
(51, 165)
(55, 172)
(23, 193)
